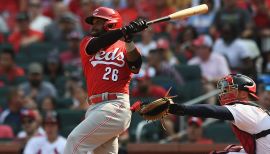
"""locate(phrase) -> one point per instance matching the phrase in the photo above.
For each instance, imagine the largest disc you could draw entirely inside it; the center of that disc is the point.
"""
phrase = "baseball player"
(108, 63)
(250, 122)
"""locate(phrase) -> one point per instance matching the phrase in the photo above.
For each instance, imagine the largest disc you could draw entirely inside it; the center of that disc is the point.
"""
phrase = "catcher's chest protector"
(248, 141)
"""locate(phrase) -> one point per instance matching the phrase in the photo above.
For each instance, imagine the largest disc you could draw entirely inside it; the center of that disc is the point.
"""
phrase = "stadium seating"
(19, 80)
(189, 90)
(135, 120)
(69, 119)
(3, 78)
(62, 46)
(189, 72)
(181, 58)
(37, 52)
(22, 60)
(60, 85)
(16, 81)
(220, 132)
(3, 96)
(166, 83)
(62, 103)
(152, 132)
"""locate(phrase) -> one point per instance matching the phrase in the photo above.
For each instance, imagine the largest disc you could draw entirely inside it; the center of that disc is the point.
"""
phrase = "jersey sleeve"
(246, 117)
(83, 45)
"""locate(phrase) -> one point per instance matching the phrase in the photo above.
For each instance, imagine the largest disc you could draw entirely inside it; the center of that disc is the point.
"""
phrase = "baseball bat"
(200, 9)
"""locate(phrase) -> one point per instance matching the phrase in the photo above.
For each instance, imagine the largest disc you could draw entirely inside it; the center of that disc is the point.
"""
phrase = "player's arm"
(104, 40)
(133, 57)
(110, 37)
(202, 110)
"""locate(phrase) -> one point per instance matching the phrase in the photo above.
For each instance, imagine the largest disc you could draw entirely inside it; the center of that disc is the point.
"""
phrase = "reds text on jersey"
(107, 70)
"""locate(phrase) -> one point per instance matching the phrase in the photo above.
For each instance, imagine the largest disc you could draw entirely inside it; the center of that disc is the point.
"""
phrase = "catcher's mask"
(113, 18)
(230, 86)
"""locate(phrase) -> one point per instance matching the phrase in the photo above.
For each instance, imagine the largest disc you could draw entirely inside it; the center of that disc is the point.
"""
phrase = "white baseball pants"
(98, 132)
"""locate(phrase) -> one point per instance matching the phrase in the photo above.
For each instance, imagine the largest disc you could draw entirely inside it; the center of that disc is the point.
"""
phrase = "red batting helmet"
(114, 20)
(229, 86)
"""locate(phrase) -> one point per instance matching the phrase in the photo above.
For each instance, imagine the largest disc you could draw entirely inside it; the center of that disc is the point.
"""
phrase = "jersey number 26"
(109, 72)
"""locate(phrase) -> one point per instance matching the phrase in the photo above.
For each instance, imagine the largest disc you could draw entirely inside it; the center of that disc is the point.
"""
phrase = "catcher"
(250, 122)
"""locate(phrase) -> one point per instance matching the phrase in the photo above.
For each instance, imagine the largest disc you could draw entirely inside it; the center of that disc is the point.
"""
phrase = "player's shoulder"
(245, 109)
(241, 106)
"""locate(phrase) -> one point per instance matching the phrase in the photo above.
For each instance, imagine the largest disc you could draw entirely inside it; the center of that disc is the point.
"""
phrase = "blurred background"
(40, 67)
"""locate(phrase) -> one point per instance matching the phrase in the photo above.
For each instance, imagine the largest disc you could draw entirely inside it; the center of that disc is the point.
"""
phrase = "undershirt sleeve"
(103, 41)
(204, 111)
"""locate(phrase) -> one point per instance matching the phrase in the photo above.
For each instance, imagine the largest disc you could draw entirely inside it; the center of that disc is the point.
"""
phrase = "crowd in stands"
(40, 66)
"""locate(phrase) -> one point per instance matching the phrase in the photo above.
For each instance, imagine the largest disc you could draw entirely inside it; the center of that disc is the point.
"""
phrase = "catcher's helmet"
(229, 86)
(114, 20)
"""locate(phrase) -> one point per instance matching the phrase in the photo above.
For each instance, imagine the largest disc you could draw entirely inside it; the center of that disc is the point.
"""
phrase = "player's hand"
(135, 26)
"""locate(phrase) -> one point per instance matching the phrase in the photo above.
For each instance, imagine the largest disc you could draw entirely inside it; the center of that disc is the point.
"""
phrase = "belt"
(101, 98)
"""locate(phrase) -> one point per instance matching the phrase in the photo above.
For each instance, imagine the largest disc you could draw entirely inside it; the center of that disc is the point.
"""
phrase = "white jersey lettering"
(108, 58)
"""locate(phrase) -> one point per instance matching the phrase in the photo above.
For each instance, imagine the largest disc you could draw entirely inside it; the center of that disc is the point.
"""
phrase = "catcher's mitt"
(155, 110)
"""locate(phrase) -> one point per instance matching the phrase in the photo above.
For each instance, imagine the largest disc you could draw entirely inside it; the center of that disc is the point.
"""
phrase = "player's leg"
(110, 147)
(83, 129)
(102, 123)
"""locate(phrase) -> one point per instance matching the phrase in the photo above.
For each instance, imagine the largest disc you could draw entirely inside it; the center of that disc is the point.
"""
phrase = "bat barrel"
(200, 9)
(182, 14)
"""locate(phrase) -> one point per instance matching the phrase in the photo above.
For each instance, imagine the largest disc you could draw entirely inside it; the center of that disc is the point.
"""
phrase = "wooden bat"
(200, 9)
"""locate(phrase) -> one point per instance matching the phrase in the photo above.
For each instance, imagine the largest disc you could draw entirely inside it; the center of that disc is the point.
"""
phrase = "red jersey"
(107, 70)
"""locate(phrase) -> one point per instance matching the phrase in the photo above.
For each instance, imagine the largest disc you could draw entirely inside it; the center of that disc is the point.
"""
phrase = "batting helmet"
(114, 20)
(229, 86)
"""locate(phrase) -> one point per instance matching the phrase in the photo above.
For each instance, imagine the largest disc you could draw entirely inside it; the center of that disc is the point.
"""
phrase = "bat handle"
(166, 18)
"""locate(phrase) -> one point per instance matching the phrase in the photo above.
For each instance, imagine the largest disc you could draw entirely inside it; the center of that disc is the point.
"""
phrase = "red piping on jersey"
(90, 133)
